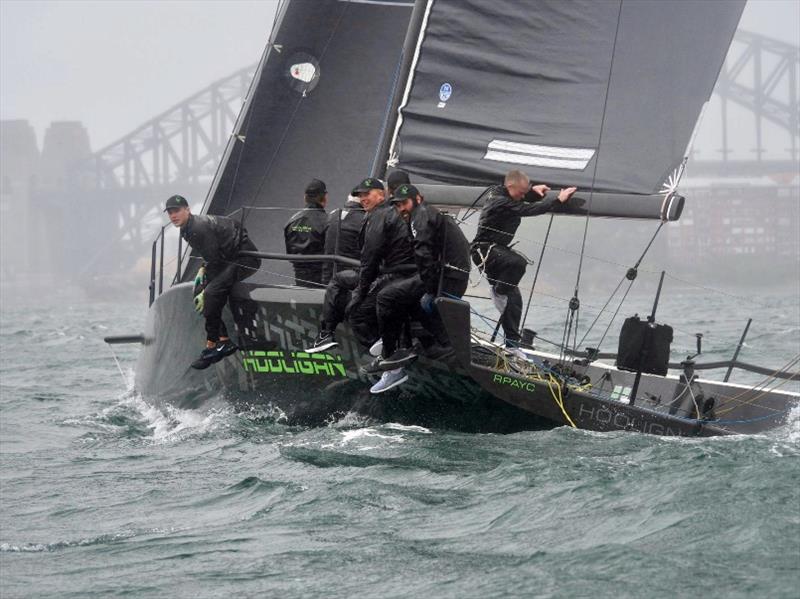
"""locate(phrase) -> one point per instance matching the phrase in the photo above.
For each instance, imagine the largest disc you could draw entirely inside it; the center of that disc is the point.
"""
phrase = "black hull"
(273, 325)
(460, 392)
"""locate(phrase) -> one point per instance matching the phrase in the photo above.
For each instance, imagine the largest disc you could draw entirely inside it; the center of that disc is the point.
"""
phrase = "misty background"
(78, 80)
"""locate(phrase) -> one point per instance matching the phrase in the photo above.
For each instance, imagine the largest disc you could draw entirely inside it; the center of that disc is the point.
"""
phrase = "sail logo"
(283, 362)
(445, 91)
(304, 72)
(576, 159)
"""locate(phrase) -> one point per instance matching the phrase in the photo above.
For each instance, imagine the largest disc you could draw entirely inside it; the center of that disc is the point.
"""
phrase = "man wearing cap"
(501, 215)
(370, 194)
(305, 234)
(441, 252)
(386, 256)
(218, 240)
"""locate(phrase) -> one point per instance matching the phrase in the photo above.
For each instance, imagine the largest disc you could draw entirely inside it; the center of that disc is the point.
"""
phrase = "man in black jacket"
(341, 238)
(501, 215)
(305, 234)
(218, 240)
(441, 252)
(386, 255)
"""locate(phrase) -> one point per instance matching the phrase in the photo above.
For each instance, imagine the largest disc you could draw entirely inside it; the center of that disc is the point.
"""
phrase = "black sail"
(602, 95)
(316, 109)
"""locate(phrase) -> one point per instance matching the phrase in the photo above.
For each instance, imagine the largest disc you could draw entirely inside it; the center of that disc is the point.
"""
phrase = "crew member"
(387, 256)
(441, 252)
(504, 268)
(218, 240)
(305, 234)
(370, 194)
(344, 228)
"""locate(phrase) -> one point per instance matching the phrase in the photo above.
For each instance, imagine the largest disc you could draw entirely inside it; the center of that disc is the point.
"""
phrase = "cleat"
(323, 341)
(389, 380)
(377, 349)
(400, 358)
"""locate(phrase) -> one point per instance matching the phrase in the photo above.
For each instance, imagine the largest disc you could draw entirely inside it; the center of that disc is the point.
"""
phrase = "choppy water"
(104, 495)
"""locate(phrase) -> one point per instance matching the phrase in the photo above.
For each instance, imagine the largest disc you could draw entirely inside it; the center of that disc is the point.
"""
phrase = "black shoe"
(226, 348)
(399, 359)
(212, 355)
(322, 342)
(373, 367)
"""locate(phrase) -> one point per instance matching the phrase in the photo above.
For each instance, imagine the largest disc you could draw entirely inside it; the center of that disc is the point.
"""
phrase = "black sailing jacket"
(501, 215)
(386, 246)
(342, 237)
(438, 240)
(305, 231)
(216, 238)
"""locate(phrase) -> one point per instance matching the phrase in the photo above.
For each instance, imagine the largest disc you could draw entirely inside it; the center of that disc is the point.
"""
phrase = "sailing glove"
(199, 302)
(200, 280)
(426, 303)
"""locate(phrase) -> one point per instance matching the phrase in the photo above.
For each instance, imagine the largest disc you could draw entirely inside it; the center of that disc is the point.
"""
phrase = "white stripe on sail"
(573, 165)
(537, 155)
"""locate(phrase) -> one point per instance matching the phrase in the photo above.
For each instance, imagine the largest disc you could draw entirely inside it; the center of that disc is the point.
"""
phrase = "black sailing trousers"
(217, 291)
(337, 296)
(504, 268)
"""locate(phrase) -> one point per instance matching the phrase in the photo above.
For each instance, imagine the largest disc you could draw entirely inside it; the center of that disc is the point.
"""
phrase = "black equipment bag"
(644, 347)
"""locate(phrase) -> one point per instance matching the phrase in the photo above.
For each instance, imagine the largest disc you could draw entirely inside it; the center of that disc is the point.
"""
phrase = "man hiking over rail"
(218, 240)
(504, 268)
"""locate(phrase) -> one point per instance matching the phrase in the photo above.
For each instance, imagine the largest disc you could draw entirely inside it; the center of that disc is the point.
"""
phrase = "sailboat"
(601, 95)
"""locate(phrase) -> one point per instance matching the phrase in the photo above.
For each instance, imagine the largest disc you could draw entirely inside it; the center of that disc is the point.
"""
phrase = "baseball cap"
(405, 192)
(176, 202)
(316, 188)
(368, 184)
(397, 178)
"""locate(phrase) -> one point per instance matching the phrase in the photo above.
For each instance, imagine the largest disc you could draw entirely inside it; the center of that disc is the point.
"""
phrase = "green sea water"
(105, 495)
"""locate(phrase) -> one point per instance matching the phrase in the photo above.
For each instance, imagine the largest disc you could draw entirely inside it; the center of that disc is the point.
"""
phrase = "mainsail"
(601, 95)
(317, 108)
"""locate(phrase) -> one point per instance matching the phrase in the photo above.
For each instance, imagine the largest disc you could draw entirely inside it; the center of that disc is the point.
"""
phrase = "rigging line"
(536, 275)
(599, 147)
(603, 309)
(471, 209)
(613, 316)
(635, 268)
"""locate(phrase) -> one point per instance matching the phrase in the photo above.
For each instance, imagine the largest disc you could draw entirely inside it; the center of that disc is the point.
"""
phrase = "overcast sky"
(115, 64)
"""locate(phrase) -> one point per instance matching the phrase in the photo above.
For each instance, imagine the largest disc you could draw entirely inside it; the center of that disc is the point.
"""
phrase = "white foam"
(362, 433)
(410, 428)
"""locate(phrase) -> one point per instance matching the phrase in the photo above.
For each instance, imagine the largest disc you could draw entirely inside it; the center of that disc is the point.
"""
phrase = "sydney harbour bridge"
(120, 188)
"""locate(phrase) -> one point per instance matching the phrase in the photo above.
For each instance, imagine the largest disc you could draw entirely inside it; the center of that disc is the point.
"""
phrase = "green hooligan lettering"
(322, 368)
(280, 362)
